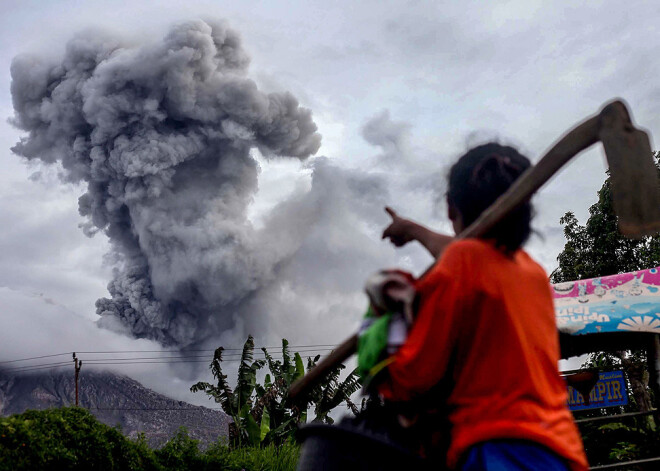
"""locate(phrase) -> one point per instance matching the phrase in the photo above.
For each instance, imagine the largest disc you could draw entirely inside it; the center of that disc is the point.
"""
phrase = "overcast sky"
(397, 89)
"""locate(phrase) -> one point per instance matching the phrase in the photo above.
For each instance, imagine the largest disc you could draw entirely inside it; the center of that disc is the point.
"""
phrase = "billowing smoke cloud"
(391, 136)
(161, 135)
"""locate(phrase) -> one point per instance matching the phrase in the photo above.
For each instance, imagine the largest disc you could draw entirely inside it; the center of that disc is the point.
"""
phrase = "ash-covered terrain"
(115, 400)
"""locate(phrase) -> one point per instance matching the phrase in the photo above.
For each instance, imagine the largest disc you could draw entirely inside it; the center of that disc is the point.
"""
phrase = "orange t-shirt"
(493, 316)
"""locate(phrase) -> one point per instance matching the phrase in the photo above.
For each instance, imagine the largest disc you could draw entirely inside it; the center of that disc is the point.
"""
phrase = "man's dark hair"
(478, 179)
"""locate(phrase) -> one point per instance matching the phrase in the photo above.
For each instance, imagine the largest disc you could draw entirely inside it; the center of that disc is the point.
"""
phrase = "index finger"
(391, 212)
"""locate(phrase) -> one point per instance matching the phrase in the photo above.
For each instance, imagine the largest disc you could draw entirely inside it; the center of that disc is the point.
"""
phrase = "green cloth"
(373, 343)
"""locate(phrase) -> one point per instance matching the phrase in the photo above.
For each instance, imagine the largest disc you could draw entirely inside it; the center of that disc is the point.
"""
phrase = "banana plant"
(328, 394)
(283, 417)
(262, 414)
(331, 392)
(238, 403)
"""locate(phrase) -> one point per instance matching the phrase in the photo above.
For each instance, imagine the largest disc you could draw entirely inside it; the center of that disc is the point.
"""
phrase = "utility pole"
(77, 365)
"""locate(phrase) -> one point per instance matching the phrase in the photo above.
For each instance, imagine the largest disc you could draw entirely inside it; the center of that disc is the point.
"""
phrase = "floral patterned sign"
(625, 302)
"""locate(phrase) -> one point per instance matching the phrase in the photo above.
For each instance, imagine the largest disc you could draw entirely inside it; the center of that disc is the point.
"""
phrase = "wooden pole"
(336, 357)
(77, 364)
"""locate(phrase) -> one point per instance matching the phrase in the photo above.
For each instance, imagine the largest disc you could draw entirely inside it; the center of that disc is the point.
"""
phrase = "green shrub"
(68, 438)
(180, 453)
(71, 438)
(269, 458)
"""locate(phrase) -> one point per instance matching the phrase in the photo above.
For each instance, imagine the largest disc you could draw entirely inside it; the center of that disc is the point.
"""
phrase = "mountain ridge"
(116, 400)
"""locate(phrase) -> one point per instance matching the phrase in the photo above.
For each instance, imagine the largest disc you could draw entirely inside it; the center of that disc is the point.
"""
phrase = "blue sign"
(609, 391)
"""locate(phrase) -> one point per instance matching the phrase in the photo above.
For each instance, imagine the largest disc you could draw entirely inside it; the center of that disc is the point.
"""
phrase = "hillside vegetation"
(70, 438)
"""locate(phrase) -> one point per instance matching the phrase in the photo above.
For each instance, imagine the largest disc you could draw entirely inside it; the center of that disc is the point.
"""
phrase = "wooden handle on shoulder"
(340, 354)
(571, 144)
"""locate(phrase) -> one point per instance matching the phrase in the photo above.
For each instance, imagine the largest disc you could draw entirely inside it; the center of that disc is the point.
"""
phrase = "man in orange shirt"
(486, 326)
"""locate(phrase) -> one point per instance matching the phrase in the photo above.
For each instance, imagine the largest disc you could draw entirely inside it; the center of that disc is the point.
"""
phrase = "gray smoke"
(391, 136)
(161, 135)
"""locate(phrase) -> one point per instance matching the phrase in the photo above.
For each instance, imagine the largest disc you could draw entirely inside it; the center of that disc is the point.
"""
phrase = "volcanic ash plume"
(161, 135)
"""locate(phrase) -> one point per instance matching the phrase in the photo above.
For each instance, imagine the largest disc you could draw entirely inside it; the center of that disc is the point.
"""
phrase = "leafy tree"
(598, 249)
(263, 414)
(180, 453)
(70, 438)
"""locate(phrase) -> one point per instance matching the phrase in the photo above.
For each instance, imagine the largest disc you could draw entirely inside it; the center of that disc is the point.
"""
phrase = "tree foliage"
(262, 413)
(593, 250)
(237, 403)
(70, 438)
(597, 248)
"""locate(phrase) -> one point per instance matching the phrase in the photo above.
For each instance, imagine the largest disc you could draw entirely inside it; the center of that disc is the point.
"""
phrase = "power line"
(147, 358)
(177, 352)
(198, 408)
(133, 361)
(40, 366)
(225, 358)
(207, 350)
(21, 370)
(143, 362)
(36, 358)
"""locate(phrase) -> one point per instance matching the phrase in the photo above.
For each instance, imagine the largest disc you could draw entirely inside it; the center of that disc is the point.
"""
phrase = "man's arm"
(402, 230)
